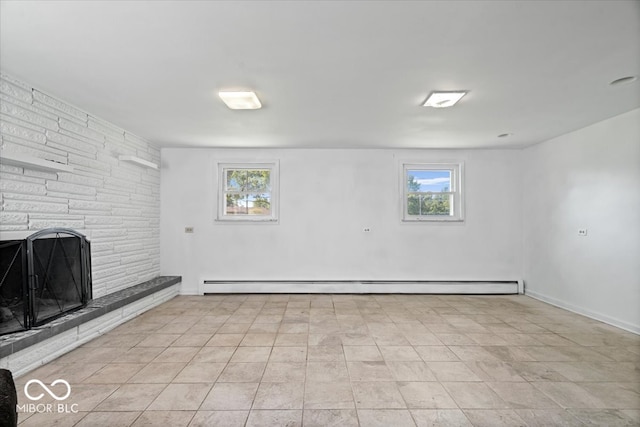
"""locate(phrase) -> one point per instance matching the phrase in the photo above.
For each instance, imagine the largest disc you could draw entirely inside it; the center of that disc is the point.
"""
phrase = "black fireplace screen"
(43, 277)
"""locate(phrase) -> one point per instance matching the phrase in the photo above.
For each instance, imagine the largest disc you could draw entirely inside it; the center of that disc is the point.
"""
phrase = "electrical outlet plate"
(366, 230)
(582, 232)
(188, 229)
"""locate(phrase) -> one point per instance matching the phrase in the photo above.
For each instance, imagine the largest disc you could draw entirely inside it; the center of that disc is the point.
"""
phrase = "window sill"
(428, 220)
(247, 220)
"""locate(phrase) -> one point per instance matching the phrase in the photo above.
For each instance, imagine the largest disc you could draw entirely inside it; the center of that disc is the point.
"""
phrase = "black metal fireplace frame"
(28, 256)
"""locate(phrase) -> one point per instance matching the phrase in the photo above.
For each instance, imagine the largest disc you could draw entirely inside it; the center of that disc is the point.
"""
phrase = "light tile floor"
(349, 360)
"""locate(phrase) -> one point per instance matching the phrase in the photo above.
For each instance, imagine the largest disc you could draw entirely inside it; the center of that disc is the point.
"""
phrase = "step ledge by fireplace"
(13, 343)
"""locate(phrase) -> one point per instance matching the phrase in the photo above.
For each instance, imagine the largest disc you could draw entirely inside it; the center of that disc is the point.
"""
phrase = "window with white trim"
(432, 192)
(248, 191)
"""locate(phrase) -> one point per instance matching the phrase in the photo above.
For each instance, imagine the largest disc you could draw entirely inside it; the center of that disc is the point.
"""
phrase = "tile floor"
(349, 360)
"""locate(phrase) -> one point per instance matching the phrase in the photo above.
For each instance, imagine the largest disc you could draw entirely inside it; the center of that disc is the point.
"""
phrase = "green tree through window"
(428, 192)
(248, 192)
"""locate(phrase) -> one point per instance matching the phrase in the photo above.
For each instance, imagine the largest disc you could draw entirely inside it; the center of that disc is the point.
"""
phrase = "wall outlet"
(582, 232)
(366, 230)
(188, 229)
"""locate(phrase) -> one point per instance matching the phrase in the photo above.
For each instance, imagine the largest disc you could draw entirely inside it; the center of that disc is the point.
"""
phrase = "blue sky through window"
(432, 180)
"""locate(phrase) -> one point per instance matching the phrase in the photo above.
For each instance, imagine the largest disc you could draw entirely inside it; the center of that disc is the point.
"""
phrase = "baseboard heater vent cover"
(361, 287)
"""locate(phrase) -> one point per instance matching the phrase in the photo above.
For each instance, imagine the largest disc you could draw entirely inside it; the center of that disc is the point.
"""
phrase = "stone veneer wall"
(116, 204)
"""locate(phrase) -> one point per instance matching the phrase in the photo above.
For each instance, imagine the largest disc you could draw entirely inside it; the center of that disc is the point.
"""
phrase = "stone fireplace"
(43, 277)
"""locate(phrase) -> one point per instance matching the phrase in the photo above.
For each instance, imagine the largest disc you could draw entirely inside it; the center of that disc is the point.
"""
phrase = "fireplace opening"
(43, 277)
(13, 286)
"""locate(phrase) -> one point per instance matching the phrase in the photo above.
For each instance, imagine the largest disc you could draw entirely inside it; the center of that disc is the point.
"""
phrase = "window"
(432, 192)
(248, 191)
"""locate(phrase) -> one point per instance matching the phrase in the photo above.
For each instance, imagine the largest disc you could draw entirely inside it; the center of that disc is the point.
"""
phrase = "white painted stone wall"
(116, 204)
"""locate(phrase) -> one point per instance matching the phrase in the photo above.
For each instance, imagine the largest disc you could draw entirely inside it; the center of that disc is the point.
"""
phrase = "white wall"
(327, 198)
(116, 204)
(589, 179)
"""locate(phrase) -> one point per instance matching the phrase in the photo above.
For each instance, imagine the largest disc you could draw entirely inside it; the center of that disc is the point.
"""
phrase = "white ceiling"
(329, 73)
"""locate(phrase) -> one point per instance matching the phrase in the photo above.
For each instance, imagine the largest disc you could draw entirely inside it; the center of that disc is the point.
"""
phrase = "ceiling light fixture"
(444, 99)
(623, 80)
(240, 100)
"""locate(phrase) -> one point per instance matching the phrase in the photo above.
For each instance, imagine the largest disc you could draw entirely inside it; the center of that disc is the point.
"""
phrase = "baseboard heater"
(468, 287)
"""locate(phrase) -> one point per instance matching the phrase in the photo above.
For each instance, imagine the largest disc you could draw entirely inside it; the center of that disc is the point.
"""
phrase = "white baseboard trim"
(44, 352)
(359, 287)
(585, 312)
